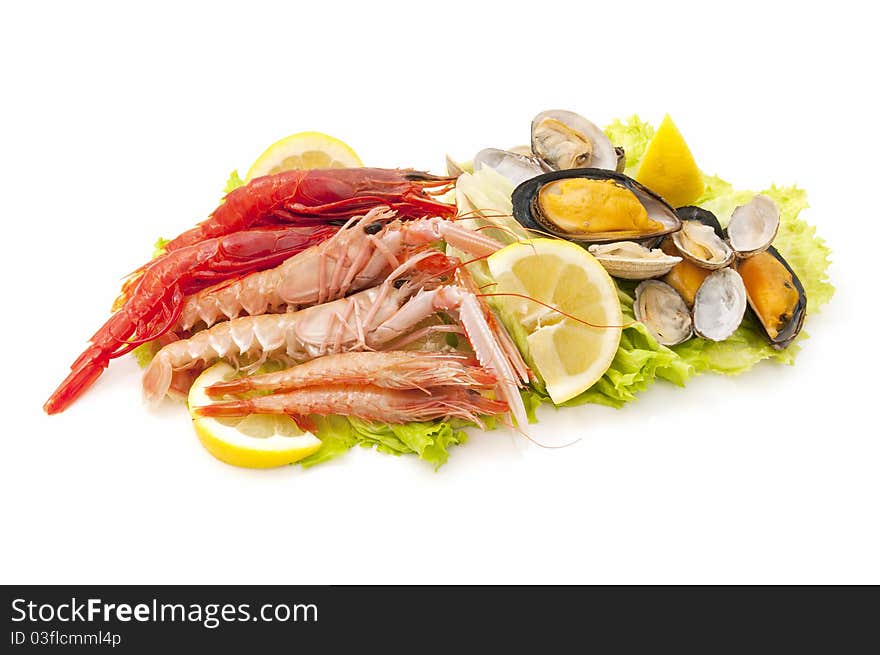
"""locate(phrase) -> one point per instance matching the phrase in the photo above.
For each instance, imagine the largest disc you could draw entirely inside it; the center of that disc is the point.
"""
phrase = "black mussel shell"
(526, 212)
(792, 328)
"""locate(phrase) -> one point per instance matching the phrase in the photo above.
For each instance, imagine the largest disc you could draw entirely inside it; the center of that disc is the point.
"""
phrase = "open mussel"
(629, 260)
(591, 205)
(562, 139)
(775, 295)
(663, 312)
(753, 226)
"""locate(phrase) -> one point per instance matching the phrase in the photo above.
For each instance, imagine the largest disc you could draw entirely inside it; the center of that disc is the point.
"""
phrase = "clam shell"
(753, 226)
(660, 309)
(562, 139)
(527, 213)
(720, 305)
(632, 261)
(700, 244)
(515, 167)
(522, 150)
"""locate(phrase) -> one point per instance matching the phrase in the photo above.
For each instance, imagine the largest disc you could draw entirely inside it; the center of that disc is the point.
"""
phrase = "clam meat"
(660, 309)
(775, 295)
(704, 216)
(562, 139)
(700, 244)
(591, 205)
(632, 261)
(719, 305)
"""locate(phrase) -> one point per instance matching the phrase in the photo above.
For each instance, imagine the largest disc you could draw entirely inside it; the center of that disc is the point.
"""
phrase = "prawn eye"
(373, 228)
(399, 283)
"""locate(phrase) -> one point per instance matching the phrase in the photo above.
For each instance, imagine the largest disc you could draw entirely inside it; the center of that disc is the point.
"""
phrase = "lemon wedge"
(302, 151)
(254, 441)
(568, 354)
(668, 167)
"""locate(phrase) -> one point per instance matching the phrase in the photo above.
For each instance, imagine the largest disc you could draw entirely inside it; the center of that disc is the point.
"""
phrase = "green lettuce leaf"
(145, 352)
(640, 359)
(430, 441)
(159, 247)
(233, 182)
(806, 253)
(633, 136)
(638, 362)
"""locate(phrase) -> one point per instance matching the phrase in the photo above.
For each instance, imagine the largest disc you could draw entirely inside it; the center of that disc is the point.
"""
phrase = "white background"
(119, 125)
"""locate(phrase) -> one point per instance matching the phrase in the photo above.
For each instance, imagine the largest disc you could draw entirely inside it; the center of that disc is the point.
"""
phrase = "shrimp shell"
(297, 336)
(358, 256)
(367, 402)
(409, 369)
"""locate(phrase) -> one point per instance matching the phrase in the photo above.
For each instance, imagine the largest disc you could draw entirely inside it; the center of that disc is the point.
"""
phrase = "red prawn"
(153, 301)
(322, 196)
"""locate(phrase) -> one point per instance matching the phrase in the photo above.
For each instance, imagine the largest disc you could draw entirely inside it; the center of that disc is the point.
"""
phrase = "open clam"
(701, 240)
(775, 295)
(753, 226)
(720, 305)
(660, 309)
(562, 139)
(514, 166)
(632, 261)
(591, 205)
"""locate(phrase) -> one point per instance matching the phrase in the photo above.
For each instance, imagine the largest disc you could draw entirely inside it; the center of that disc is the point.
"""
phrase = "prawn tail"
(231, 387)
(107, 343)
(157, 379)
(226, 409)
(85, 371)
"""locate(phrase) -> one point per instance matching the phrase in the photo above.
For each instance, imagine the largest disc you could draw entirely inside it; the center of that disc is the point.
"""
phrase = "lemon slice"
(569, 355)
(254, 441)
(302, 151)
(668, 167)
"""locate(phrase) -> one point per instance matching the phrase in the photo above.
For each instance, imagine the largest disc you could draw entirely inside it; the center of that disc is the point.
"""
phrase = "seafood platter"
(324, 304)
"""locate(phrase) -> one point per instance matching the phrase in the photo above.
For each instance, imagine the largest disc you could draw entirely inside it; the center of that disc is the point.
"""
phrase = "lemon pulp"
(574, 329)
(668, 167)
(253, 441)
(304, 150)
